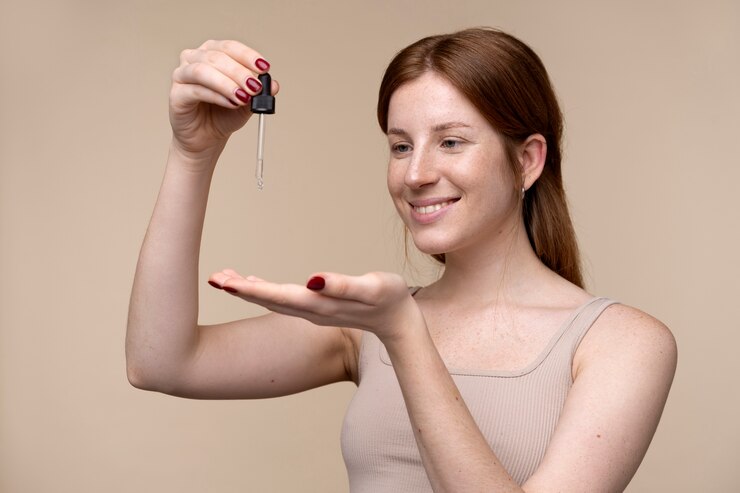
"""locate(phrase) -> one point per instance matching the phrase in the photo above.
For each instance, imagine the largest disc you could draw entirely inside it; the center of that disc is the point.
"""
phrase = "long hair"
(508, 84)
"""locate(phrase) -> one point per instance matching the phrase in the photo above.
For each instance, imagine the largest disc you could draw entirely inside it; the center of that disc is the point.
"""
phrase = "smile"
(432, 208)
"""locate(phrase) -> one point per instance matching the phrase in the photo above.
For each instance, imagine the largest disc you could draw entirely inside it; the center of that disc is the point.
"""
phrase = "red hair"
(507, 82)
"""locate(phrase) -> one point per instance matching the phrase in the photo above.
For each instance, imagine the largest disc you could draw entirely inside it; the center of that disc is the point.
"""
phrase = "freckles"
(394, 177)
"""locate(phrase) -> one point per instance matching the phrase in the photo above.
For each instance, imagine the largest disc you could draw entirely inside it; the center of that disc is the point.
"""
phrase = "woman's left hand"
(378, 302)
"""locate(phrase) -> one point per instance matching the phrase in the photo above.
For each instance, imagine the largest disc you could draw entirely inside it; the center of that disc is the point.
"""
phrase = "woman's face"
(448, 175)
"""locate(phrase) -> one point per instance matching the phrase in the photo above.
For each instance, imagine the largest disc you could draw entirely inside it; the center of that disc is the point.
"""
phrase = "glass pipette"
(262, 104)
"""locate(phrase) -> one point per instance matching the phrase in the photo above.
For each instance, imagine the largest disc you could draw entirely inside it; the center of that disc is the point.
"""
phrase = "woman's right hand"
(210, 95)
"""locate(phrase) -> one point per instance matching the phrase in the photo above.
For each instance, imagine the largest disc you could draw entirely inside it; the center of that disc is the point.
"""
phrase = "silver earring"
(523, 190)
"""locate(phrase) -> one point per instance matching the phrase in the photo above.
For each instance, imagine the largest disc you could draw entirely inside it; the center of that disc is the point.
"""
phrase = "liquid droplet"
(258, 174)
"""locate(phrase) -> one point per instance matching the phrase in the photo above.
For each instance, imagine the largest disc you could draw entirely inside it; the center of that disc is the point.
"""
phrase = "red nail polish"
(214, 284)
(242, 95)
(316, 283)
(229, 289)
(262, 64)
(254, 84)
(233, 102)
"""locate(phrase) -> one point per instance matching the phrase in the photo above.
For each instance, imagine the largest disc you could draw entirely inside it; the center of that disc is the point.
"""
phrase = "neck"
(507, 269)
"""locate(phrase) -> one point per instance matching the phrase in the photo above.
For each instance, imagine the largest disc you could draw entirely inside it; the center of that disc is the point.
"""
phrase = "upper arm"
(624, 368)
(267, 356)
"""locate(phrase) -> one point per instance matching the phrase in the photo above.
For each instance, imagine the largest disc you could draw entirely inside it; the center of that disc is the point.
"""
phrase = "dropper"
(262, 104)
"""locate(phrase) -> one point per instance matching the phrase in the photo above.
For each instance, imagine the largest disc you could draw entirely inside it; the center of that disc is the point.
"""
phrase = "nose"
(421, 170)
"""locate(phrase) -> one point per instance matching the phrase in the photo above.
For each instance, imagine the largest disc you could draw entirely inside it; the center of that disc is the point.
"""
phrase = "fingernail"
(229, 289)
(242, 95)
(262, 64)
(214, 284)
(254, 84)
(316, 283)
(233, 102)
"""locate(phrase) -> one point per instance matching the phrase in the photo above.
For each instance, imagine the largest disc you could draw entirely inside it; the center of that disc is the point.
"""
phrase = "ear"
(532, 154)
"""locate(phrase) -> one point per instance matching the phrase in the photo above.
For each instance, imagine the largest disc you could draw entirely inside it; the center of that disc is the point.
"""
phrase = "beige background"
(650, 94)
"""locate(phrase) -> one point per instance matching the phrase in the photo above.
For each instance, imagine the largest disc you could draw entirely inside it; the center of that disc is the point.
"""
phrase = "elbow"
(137, 372)
(149, 367)
(144, 369)
(139, 378)
(144, 377)
(142, 374)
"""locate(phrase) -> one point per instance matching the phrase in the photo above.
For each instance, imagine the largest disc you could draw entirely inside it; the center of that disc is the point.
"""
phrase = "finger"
(217, 279)
(295, 300)
(370, 289)
(234, 274)
(266, 292)
(240, 52)
(271, 295)
(208, 76)
(245, 78)
(189, 94)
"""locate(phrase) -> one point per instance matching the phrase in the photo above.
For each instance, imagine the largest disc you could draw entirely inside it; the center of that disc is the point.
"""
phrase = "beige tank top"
(516, 411)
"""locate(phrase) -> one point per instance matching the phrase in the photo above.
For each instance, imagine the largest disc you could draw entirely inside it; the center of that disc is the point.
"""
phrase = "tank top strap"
(563, 345)
(583, 319)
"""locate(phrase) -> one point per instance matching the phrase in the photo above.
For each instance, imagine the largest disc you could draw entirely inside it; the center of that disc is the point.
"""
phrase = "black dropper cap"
(264, 102)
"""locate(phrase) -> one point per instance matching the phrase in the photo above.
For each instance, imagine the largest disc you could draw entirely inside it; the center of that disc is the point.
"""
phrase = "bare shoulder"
(623, 370)
(627, 335)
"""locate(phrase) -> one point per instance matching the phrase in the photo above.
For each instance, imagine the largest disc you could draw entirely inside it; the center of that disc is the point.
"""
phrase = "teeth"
(432, 208)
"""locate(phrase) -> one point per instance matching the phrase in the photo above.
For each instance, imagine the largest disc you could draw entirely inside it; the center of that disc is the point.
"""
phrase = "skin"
(495, 307)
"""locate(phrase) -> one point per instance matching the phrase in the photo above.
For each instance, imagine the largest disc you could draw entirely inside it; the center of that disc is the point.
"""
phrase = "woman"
(503, 375)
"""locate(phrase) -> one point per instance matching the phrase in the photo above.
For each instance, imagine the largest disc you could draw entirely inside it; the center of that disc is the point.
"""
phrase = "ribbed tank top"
(515, 410)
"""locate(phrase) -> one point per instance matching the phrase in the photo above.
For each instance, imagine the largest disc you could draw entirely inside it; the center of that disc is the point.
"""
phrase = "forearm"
(163, 311)
(455, 453)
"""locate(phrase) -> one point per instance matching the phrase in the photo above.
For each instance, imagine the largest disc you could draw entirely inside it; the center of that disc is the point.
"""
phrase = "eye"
(451, 143)
(400, 148)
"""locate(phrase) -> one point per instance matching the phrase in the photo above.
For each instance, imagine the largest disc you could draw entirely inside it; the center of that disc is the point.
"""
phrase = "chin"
(430, 252)
(434, 247)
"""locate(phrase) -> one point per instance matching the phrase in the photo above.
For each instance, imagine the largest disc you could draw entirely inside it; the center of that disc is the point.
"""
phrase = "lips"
(428, 209)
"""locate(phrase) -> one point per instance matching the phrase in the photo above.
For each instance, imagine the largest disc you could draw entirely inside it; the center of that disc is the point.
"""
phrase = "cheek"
(394, 180)
(395, 183)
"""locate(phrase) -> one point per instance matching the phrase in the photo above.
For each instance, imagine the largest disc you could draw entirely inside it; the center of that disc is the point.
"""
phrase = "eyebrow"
(437, 128)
